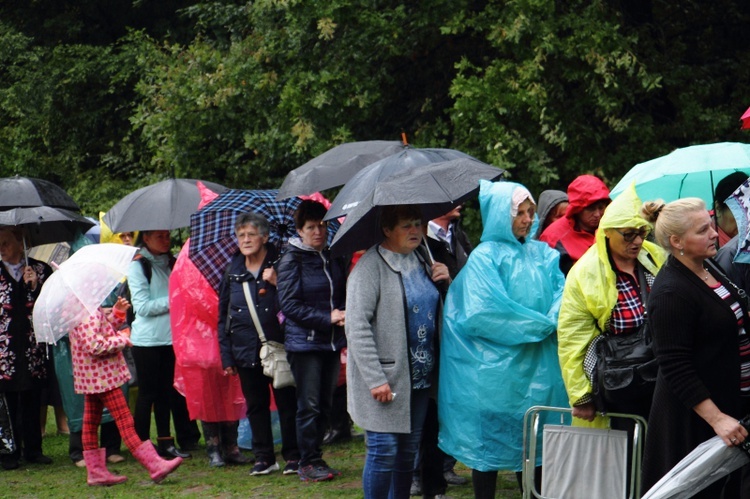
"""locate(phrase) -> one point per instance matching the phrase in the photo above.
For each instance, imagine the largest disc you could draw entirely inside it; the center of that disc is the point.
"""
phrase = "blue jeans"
(316, 375)
(389, 463)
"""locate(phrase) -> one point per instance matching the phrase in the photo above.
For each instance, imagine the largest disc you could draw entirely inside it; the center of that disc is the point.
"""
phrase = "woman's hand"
(383, 393)
(725, 426)
(730, 430)
(30, 277)
(338, 317)
(585, 411)
(122, 305)
(230, 371)
(440, 272)
(269, 275)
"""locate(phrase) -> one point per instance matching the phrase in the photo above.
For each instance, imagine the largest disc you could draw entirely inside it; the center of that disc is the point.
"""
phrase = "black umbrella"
(45, 225)
(336, 166)
(360, 186)
(165, 205)
(18, 192)
(436, 188)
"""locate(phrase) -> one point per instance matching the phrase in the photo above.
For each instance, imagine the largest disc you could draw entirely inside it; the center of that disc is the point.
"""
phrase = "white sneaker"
(262, 468)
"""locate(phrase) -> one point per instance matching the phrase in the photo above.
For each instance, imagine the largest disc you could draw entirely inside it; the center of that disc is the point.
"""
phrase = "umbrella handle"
(25, 250)
(427, 249)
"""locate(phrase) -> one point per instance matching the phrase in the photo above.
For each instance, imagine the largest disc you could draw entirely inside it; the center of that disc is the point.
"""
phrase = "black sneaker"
(291, 468)
(314, 473)
(263, 468)
(323, 464)
(452, 478)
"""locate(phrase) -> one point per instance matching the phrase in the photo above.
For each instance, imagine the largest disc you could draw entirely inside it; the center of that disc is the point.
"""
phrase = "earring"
(682, 253)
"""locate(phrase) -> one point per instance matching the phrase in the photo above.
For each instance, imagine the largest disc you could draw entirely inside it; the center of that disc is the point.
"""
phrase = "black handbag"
(626, 367)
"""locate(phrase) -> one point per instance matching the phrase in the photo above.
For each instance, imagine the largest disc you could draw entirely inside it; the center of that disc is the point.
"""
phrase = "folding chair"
(581, 462)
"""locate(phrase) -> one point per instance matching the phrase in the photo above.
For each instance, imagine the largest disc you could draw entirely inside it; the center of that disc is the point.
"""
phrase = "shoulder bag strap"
(739, 293)
(643, 283)
(253, 313)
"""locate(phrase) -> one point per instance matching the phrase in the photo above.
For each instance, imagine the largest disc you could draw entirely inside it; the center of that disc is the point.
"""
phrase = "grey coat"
(378, 345)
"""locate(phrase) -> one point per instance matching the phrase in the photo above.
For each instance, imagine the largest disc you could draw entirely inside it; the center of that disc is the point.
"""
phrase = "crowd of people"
(445, 346)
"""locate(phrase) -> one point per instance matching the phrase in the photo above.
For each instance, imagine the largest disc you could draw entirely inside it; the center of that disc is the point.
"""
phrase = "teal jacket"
(150, 301)
(498, 355)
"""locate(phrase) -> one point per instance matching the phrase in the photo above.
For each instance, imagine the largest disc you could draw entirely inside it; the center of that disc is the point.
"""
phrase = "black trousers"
(256, 387)
(155, 368)
(24, 407)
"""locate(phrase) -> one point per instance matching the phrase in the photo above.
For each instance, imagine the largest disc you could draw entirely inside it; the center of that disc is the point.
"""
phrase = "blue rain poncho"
(499, 347)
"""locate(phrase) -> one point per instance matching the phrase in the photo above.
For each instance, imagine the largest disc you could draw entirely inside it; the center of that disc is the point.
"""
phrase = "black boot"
(167, 450)
(232, 454)
(211, 436)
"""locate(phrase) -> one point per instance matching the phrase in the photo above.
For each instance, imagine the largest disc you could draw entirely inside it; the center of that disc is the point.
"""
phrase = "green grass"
(195, 479)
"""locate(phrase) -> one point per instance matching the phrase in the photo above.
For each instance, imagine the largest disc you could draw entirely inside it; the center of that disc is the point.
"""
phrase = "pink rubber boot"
(96, 466)
(157, 467)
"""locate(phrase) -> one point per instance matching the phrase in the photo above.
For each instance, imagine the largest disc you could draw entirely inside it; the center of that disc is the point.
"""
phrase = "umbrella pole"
(427, 248)
(25, 251)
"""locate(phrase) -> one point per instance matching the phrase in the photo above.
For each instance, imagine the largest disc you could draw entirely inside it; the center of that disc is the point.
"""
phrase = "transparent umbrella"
(78, 287)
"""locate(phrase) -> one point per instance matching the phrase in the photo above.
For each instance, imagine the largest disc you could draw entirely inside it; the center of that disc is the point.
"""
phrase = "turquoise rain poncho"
(499, 347)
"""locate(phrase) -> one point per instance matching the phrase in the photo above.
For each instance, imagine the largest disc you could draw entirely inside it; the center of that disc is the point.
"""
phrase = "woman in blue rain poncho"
(499, 350)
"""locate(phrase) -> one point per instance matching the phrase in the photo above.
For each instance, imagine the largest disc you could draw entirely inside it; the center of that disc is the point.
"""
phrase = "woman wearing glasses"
(603, 295)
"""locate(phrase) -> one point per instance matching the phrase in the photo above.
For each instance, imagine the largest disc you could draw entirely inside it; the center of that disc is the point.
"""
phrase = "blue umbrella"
(212, 240)
(687, 172)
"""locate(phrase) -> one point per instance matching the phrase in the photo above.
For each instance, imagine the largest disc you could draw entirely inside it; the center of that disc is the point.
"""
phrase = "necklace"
(707, 274)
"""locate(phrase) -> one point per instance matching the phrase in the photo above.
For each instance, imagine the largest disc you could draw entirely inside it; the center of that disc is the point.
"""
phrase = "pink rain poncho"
(194, 310)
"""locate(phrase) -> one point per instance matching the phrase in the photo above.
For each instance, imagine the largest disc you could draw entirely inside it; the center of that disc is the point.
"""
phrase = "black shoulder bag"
(626, 367)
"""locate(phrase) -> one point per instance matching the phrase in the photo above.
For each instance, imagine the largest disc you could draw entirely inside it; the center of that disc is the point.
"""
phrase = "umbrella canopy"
(78, 287)
(165, 205)
(688, 172)
(707, 463)
(336, 166)
(739, 203)
(44, 225)
(359, 187)
(745, 119)
(212, 241)
(435, 187)
(18, 192)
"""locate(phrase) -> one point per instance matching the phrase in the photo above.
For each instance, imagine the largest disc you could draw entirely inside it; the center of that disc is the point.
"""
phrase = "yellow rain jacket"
(590, 294)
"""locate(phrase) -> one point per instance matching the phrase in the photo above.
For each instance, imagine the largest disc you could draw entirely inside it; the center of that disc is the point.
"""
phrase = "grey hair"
(671, 220)
(256, 220)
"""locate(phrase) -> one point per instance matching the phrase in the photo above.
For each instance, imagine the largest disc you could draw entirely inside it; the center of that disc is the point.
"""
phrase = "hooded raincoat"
(591, 294)
(548, 201)
(562, 234)
(499, 348)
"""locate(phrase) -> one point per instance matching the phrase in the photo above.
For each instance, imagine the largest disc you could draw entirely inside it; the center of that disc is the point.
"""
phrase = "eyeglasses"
(630, 236)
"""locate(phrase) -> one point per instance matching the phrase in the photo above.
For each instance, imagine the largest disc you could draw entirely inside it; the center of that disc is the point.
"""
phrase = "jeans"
(316, 375)
(389, 463)
(256, 387)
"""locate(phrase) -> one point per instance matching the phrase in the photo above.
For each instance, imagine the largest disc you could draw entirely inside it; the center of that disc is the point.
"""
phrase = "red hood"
(583, 191)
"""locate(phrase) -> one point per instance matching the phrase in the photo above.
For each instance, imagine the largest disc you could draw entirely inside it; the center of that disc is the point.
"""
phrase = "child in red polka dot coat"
(99, 370)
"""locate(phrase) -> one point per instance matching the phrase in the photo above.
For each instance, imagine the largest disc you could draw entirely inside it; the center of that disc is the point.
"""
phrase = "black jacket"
(311, 284)
(239, 343)
(695, 339)
(453, 255)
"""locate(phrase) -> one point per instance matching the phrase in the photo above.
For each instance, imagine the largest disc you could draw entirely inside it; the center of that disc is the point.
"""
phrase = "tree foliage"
(103, 96)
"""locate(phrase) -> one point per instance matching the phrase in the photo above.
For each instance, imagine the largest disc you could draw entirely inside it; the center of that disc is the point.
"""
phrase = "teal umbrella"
(687, 172)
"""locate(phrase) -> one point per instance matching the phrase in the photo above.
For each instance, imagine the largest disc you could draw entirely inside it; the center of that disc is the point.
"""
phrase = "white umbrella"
(78, 287)
(707, 463)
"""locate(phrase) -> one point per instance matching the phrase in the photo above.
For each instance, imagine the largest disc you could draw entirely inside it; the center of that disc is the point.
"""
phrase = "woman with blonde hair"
(697, 319)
